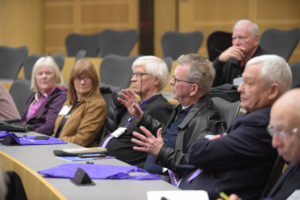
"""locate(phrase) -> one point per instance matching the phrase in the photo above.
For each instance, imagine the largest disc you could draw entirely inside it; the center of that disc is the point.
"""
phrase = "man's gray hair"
(155, 67)
(201, 71)
(253, 28)
(274, 70)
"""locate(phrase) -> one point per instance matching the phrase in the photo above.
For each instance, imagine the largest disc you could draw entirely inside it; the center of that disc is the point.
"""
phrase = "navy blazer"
(283, 191)
(239, 163)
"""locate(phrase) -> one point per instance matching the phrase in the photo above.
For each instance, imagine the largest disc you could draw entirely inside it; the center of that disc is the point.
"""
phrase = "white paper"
(178, 195)
(294, 196)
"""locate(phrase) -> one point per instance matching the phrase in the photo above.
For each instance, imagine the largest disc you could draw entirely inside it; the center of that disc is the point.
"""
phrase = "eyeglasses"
(282, 134)
(78, 79)
(176, 80)
(138, 75)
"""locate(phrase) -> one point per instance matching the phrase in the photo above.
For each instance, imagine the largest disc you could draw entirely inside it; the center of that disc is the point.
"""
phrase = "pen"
(224, 196)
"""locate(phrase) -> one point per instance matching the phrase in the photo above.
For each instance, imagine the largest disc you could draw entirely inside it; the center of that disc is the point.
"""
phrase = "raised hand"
(128, 98)
(148, 143)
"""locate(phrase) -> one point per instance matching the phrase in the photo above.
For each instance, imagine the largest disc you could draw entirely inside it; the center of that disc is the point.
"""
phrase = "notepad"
(178, 195)
(80, 151)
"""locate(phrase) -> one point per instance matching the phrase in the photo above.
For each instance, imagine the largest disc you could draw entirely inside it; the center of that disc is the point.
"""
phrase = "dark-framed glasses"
(138, 75)
(86, 78)
(281, 134)
(176, 80)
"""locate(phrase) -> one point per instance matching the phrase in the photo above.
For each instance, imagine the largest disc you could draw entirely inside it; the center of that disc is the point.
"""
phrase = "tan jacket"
(84, 123)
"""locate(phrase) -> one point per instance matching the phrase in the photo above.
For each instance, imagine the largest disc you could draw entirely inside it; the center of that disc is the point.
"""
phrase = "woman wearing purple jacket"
(49, 95)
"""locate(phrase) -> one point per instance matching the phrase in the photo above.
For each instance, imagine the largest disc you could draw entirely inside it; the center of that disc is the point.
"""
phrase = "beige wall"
(210, 15)
(21, 23)
(42, 25)
(63, 17)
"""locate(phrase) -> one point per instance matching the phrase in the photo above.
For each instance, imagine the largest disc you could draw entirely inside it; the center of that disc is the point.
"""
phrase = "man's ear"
(274, 91)
(194, 89)
(257, 39)
(156, 80)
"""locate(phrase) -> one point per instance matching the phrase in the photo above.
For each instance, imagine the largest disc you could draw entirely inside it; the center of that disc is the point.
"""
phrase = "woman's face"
(45, 79)
(83, 85)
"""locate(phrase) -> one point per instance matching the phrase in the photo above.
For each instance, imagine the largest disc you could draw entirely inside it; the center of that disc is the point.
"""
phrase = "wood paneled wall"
(21, 23)
(210, 15)
(43, 25)
(63, 17)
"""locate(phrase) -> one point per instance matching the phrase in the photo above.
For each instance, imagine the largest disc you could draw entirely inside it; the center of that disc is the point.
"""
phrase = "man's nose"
(276, 141)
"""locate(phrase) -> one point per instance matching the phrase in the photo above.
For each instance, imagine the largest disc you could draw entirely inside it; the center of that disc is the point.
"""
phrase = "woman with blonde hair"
(49, 95)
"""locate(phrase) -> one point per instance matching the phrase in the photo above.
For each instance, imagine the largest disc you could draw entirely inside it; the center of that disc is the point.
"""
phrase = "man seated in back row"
(241, 161)
(245, 45)
(284, 127)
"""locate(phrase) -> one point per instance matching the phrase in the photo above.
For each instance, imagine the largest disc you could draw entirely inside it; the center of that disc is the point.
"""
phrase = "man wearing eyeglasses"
(241, 161)
(284, 128)
(194, 117)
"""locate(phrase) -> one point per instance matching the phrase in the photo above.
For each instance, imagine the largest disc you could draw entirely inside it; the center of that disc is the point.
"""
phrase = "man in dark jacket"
(150, 76)
(194, 118)
(284, 127)
(241, 161)
(245, 45)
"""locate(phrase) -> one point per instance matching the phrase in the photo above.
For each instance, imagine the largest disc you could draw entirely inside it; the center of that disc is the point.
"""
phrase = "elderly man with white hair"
(241, 161)
(245, 45)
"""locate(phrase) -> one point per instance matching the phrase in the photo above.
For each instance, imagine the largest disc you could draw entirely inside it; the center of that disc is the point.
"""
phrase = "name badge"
(64, 110)
(295, 195)
(118, 132)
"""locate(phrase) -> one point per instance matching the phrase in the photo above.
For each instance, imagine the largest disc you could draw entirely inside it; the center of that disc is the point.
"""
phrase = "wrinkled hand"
(148, 143)
(128, 98)
(232, 52)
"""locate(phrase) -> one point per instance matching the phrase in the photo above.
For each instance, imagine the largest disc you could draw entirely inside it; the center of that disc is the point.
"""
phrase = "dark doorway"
(146, 27)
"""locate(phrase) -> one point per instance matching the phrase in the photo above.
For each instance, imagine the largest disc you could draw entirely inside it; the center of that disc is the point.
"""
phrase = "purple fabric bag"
(99, 171)
(31, 140)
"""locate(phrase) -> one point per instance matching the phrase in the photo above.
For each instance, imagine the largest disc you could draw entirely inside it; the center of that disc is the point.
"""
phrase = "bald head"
(288, 104)
(285, 120)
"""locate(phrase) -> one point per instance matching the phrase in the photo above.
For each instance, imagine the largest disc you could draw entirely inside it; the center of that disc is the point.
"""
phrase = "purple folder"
(31, 140)
(99, 171)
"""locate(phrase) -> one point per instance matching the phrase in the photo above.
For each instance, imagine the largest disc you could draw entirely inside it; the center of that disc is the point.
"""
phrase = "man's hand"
(128, 98)
(149, 143)
(232, 197)
(232, 52)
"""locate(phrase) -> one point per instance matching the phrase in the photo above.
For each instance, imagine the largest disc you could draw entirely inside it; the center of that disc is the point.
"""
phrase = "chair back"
(174, 44)
(228, 110)
(117, 42)
(76, 42)
(20, 91)
(31, 60)
(11, 61)
(295, 68)
(115, 71)
(280, 42)
(80, 54)
(217, 42)
(169, 62)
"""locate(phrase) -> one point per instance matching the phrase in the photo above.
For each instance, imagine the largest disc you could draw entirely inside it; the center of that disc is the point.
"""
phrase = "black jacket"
(285, 188)
(202, 119)
(122, 147)
(239, 162)
(227, 71)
